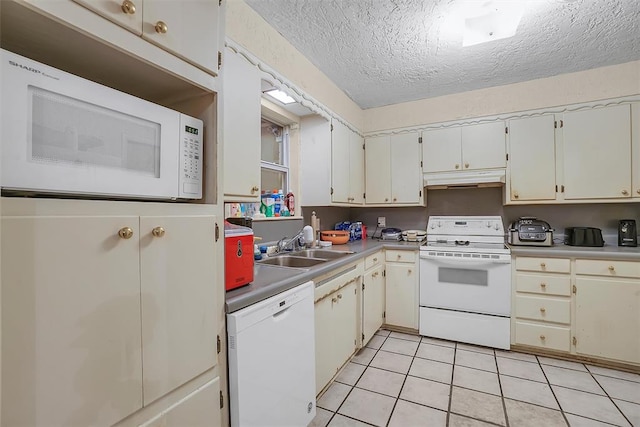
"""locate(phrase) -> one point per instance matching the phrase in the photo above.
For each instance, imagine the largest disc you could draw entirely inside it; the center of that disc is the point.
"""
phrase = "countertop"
(613, 252)
(270, 280)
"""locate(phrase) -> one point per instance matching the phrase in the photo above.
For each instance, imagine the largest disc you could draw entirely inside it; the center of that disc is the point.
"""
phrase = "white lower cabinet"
(198, 409)
(607, 320)
(336, 324)
(373, 292)
(401, 288)
(103, 311)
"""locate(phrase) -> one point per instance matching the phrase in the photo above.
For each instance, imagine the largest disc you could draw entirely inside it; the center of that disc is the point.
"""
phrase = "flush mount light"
(280, 96)
(491, 20)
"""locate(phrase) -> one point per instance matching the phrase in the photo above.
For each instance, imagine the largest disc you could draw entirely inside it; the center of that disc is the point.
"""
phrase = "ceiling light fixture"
(491, 20)
(280, 96)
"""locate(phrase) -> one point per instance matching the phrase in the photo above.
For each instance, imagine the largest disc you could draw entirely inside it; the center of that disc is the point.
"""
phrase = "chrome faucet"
(296, 242)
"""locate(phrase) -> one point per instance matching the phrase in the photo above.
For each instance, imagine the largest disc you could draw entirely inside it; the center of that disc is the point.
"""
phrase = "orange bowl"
(337, 237)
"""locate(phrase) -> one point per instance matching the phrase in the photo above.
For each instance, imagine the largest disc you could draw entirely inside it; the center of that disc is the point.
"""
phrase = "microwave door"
(64, 134)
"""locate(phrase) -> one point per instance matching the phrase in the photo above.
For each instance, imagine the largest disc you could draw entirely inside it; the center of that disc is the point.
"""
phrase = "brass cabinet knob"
(339, 296)
(334, 300)
(158, 231)
(375, 260)
(542, 310)
(457, 166)
(161, 27)
(395, 199)
(125, 233)
(466, 165)
(543, 285)
(625, 192)
(254, 189)
(515, 195)
(638, 191)
(386, 199)
(542, 337)
(128, 7)
(611, 268)
(375, 274)
(409, 272)
(543, 265)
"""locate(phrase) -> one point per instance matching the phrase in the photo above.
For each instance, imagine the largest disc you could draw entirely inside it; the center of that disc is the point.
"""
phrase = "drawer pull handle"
(542, 310)
(543, 265)
(339, 296)
(638, 191)
(128, 7)
(515, 195)
(611, 268)
(409, 272)
(466, 165)
(625, 192)
(161, 27)
(158, 231)
(542, 337)
(375, 260)
(254, 189)
(375, 274)
(125, 233)
(334, 300)
(457, 166)
(543, 286)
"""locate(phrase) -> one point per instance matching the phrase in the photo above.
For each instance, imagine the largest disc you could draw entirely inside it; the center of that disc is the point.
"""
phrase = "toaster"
(530, 231)
(583, 236)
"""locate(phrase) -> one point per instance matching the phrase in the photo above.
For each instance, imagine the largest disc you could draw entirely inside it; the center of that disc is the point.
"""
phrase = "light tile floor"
(401, 380)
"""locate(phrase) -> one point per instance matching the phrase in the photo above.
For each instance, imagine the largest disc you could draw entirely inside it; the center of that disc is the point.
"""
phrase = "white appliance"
(67, 135)
(272, 366)
(465, 281)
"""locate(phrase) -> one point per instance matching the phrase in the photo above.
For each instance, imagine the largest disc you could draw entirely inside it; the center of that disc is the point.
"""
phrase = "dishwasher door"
(272, 361)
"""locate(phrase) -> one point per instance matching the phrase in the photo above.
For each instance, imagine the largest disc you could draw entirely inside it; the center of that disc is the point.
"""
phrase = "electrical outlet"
(382, 221)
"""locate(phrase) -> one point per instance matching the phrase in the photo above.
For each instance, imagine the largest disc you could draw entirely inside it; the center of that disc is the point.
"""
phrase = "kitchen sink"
(322, 253)
(293, 261)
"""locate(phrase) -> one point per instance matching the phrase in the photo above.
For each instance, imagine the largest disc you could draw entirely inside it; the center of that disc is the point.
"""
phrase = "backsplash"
(485, 201)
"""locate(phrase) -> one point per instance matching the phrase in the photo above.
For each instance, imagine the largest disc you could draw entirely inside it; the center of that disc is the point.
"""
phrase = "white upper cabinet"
(187, 29)
(356, 168)
(479, 146)
(532, 158)
(597, 153)
(483, 146)
(241, 129)
(340, 155)
(392, 169)
(315, 161)
(442, 150)
(635, 150)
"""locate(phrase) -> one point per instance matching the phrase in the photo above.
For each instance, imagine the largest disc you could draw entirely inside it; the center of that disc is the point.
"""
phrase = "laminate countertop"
(612, 252)
(270, 280)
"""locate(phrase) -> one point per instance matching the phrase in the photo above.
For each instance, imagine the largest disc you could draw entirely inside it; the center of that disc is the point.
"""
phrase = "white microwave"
(63, 134)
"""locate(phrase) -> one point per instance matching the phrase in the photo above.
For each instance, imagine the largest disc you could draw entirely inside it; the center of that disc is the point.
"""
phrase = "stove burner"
(462, 243)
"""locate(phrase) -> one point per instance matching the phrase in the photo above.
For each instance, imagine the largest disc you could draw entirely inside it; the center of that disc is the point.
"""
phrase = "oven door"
(475, 285)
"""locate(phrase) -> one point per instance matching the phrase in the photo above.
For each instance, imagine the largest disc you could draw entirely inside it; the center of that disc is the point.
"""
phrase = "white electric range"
(465, 281)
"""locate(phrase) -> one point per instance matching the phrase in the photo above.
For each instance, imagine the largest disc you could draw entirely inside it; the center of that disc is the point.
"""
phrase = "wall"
(488, 201)
(599, 83)
(247, 28)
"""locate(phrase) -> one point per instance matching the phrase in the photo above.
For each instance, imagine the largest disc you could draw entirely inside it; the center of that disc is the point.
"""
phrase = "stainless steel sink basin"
(292, 261)
(321, 253)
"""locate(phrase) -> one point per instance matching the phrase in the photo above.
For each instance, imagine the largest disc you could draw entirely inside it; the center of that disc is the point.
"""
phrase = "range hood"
(465, 179)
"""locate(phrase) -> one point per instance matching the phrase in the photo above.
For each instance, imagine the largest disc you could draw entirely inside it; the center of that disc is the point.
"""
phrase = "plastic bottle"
(267, 201)
(289, 201)
(277, 203)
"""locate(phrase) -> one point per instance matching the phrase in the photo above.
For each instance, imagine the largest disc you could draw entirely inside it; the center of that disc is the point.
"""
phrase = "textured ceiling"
(382, 52)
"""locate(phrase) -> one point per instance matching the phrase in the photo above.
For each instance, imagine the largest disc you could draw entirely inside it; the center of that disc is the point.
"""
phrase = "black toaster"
(583, 236)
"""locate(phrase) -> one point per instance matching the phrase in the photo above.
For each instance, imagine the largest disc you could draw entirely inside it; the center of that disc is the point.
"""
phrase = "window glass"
(273, 146)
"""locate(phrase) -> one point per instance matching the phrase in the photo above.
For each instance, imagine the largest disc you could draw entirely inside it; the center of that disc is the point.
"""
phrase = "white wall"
(245, 27)
(599, 83)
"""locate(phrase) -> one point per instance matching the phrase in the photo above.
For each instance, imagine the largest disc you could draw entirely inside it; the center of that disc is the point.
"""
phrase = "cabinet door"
(597, 153)
(315, 161)
(71, 316)
(340, 152)
(378, 169)
(372, 303)
(127, 15)
(532, 162)
(356, 168)
(179, 319)
(199, 409)
(406, 176)
(401, 288)
(345, 324)
(608, 318)
(325, 369)
(483, 146)
(635, 150)
(442, 150)
(190, 29)
(241, 129)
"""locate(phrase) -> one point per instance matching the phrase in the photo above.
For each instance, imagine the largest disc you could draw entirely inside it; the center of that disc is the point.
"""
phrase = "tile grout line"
(504, 404)
(453, 370)
(610, 398)
(395, 403)
(564, 416)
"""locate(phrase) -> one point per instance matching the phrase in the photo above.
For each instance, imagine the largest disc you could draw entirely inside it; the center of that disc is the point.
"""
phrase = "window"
(274, 163)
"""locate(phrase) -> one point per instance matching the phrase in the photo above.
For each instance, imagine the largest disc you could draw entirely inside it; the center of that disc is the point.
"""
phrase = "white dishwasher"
(272, 361)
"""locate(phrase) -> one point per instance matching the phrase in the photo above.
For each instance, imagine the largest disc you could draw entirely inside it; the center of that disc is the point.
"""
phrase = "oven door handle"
(465, 261)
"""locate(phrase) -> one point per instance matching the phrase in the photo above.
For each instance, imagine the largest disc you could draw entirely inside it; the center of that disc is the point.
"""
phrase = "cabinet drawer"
(548, 265)
(373, 260)
(400, 256)
(543, 308)
(545, 336)
(544, 284)
(608, 268)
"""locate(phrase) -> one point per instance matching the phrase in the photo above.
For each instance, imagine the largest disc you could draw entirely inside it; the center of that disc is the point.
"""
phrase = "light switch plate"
(382, 221)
